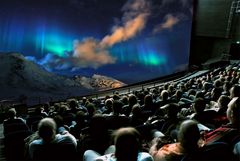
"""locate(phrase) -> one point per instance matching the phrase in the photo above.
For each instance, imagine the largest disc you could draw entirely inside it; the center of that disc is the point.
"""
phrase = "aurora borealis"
(129, 40)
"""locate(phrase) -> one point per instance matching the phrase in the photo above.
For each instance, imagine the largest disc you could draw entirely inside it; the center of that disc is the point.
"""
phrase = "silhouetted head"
(132, 100)
(124, 100)
(164, 95)
(73, 104)
(189, 135)
(117, 107)
(98, 126)
(80, 117)
(136, 110)
(172, 110)
(47, 129)
(11, 113)
(191, 92)
(199, 105)
(109, 103)
(207, 86)
(217, 83)
(91, 109)
(235, 91)
(223, 102)
(216, 93)
(178, 94)
(127, 142)
(148, 100)
(233, 111)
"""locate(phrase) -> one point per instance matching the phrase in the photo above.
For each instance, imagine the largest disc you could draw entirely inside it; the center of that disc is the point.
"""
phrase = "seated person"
(235, 91)
(127, 146)
(13, 123)
(51, 146)
(188, 138)
(33, 119)
(221, 108)
(131, 102)
(136, 116)
(164, 99)
(201, 115)
(230, 132)
(96, 136)
(116, 119)
(172, 120)
(15, 130)
(149, 105)
(80, 124)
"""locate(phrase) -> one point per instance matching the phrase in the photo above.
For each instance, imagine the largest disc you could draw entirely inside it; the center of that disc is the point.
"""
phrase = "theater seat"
(217, 151)
(55, 151)
(14, 144)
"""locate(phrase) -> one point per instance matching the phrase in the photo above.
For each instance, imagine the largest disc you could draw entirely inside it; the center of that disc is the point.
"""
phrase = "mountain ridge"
(20, 76)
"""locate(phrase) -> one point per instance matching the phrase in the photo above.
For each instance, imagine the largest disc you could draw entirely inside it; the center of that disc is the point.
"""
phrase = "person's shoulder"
(65, 138)
(36, 142)
(143, 156)
(107, 157)
(21, 120)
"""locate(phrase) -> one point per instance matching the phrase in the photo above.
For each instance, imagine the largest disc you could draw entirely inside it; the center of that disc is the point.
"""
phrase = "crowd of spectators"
(191, 119)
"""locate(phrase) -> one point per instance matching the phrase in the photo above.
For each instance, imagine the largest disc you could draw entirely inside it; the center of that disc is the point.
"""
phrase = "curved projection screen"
(128, 40)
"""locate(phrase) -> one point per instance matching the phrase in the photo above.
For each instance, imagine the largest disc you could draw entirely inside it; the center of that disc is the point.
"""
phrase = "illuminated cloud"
(93, 53)
(169, 22)
(133, 8)
(133, 20)
(89, 53)
(123, 33)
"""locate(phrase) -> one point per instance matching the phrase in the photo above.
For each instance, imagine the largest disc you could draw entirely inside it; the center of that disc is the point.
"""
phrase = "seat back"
(14, 144)
(55, 151)
(217, 151)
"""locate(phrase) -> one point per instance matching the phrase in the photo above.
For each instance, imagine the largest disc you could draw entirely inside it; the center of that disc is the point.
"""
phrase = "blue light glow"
(157, 42)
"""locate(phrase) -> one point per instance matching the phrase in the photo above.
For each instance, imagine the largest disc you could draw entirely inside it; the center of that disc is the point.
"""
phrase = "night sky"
(129, 40)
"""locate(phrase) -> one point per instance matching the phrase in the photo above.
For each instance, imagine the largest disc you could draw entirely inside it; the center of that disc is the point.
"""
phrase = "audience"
(174, 110)
(127, 147)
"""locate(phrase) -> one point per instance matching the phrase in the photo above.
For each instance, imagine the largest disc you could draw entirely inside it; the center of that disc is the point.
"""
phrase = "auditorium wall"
(212, 35)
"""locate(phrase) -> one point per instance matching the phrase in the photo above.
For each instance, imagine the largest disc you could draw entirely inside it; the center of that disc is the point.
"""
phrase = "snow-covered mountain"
(99, 82)
(20, 76)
